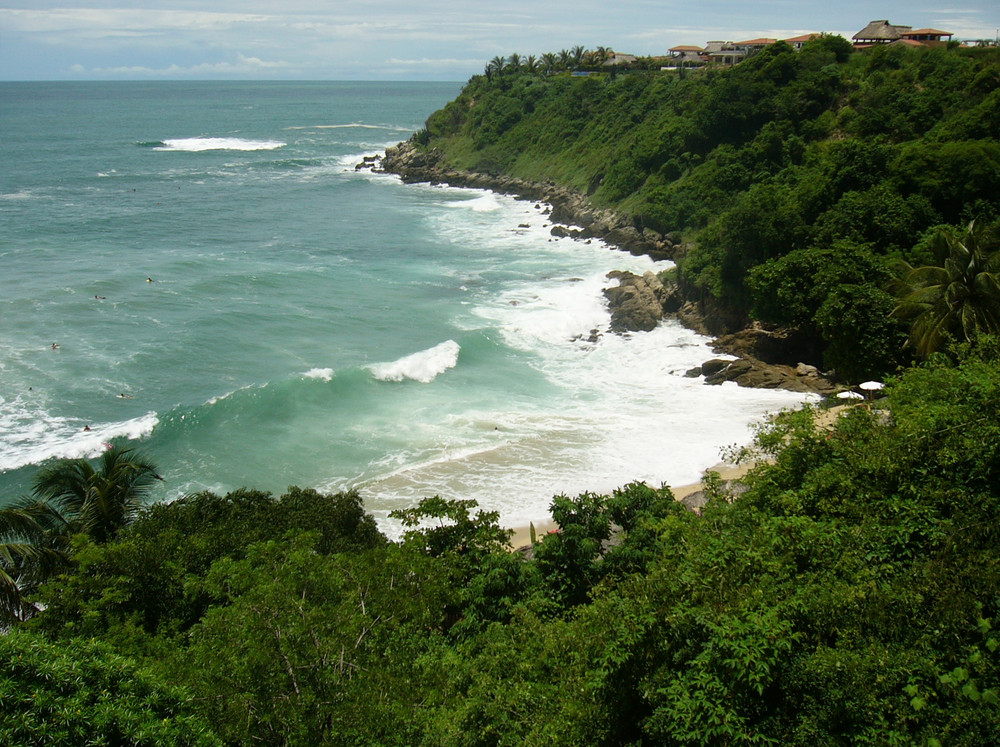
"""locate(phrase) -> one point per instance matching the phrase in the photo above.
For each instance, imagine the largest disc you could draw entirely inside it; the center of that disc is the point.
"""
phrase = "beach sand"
(824, 419)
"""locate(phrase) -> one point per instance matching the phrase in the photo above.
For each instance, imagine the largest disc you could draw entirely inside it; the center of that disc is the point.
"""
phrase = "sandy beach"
(824, 418)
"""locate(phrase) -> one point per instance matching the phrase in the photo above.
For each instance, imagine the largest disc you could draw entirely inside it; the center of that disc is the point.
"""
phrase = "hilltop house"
(753, 46)
(723, 53)
(684, 55)
(797, 42)
(929, 37)
(883, 32)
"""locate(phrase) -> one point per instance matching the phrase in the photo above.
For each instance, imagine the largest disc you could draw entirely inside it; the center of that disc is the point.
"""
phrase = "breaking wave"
(423, 366)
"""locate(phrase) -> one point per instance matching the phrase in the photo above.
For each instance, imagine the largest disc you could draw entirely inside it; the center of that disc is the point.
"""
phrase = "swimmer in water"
(54, 346)
(149, 280)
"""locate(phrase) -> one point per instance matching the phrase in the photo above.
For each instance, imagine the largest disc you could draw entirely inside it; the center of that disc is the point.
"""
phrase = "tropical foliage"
(28, 555)
(851, 594)
(768, 173)
(98, 501)
(956, 299)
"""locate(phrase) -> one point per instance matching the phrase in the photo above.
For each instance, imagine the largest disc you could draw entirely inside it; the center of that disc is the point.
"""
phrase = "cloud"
(451, 39)
(114, 20)
(243, 66)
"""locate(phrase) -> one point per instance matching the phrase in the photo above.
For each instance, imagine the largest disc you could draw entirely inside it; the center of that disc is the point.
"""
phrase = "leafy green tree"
(147, 582)
(79, 692)
(957, 299)
(315, 649)
(101, 501)
(439, 527)
(862, 340)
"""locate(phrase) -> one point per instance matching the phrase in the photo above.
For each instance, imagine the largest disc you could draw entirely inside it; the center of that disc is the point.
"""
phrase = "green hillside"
(798, 179)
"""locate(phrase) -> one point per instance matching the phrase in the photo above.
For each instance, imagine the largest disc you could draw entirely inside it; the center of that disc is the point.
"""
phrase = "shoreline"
(766, 359)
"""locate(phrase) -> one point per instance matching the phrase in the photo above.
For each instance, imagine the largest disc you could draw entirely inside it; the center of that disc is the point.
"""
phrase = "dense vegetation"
(799, 179)
(852, 594)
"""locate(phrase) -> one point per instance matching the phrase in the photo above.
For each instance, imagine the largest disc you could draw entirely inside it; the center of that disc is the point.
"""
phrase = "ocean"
(197, 271)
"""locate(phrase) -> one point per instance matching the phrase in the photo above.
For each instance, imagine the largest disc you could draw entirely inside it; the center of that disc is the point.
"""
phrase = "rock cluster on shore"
(578, 218)
(636, 303)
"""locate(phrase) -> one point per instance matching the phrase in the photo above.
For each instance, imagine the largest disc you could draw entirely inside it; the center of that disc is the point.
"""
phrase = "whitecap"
(60, 438)
(353, 125)
(323, 374)
(423, 366)
(486, 202)
(198, 144)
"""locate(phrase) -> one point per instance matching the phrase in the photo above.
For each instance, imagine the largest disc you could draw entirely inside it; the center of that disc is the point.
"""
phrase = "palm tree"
(957, 299)
(565, 59)
(531, 64)
(28, 555)
(497, 66)
(578, 52)
(514, 62)
(550, 62)
(99, 502)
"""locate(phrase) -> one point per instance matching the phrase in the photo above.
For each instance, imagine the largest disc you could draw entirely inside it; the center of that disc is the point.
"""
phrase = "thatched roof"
(880, 31)
(620, 59)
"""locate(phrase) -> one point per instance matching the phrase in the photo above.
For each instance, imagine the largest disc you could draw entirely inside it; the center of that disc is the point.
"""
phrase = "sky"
(396, 40)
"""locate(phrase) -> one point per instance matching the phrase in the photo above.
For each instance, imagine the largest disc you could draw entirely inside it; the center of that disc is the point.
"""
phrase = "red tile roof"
(755, 42)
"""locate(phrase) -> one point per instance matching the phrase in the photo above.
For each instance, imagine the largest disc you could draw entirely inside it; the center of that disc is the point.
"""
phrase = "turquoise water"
(227, 293)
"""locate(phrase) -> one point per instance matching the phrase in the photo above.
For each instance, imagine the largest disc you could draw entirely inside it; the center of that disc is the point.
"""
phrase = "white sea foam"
(423, 366)
(40, 436)
(198, 144)
(352, 126)
(627, 412)
(485, 202)
(323, 374)
(24, 194)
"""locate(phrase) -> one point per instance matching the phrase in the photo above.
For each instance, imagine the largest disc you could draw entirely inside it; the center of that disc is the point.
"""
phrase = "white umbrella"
(850, 395)
(871, 386)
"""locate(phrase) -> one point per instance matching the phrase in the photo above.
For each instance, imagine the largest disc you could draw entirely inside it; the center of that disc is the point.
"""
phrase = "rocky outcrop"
(786, 347)
(751, 372)
(637, 304)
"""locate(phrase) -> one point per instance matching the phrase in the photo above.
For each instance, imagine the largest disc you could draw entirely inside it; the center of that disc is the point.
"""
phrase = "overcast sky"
(396, 40)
